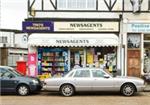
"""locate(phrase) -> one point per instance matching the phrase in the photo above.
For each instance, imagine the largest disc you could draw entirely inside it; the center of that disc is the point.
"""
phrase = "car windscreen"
(15, 72)
(108, 73)
(66, 74)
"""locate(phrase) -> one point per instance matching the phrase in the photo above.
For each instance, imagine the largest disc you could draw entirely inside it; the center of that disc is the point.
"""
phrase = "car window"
(16, 72)
(98, 73)
(2, 71)
(82, 73)
(7, 75)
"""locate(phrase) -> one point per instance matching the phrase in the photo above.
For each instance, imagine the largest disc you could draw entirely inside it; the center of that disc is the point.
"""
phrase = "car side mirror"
(11, 76)
(106, 76)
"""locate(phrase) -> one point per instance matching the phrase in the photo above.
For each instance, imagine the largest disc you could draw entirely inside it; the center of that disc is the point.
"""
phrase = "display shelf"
(53, 66)
(52, 61)
(46, 71)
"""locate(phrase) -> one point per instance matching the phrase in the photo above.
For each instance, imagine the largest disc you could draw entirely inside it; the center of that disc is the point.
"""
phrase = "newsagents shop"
(56, 47)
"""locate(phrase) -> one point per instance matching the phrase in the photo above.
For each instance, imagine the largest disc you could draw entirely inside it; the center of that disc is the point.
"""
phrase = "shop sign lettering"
(139, 27)
(85, 25)
(72, 41)
(32, 27)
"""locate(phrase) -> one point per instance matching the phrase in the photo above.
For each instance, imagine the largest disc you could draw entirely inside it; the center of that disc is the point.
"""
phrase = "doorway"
(134, 55)
(76, 57)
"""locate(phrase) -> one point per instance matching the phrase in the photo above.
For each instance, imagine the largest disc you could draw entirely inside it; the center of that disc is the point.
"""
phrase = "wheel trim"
(67, 90)
(23, 90)
(128, 90)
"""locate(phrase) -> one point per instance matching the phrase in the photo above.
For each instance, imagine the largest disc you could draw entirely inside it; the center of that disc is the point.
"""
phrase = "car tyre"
(67, 90)
(23, 90)
(128, 89)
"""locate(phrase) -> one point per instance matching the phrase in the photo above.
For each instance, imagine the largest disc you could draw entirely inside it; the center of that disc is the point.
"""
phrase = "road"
(47, 98)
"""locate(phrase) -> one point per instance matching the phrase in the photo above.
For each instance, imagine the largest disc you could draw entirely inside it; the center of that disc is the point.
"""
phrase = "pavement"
(147, 87)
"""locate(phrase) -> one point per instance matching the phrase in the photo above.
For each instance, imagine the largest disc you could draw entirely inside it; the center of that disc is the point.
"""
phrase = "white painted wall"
(9, 35)
(21, 40)
(15, 40)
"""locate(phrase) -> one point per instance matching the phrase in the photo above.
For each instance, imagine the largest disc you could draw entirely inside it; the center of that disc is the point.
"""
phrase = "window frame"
(87, 5)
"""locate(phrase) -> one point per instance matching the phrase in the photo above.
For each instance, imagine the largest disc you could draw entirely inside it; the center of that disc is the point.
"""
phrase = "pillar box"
(21, 67)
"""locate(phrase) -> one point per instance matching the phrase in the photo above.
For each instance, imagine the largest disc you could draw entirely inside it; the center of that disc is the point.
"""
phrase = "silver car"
(93, 79)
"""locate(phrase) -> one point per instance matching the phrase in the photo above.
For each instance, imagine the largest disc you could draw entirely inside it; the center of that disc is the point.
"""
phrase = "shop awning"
(73, 40)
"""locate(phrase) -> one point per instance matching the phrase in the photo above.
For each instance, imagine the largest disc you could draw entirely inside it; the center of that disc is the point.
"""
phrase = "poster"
(32, 69)
(90, 58)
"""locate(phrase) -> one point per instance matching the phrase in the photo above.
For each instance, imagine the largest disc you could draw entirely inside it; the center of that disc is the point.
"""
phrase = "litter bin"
(21, 67)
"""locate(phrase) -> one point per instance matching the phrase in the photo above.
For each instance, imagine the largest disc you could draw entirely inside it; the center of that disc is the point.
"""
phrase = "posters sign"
(32, 69)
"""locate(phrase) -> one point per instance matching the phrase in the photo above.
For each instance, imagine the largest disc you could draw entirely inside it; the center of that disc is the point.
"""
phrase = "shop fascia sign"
(72, 42)
(139, 27)
(86, 26)
(33, 27)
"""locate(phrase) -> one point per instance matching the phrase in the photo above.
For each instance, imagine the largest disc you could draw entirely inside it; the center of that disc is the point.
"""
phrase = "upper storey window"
(76, 4)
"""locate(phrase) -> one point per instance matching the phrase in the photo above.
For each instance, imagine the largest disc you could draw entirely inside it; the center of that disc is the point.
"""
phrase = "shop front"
(138, 46)
(54, 54)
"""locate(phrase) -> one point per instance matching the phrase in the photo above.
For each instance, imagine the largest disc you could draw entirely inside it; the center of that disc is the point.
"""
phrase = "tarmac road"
(47, 98)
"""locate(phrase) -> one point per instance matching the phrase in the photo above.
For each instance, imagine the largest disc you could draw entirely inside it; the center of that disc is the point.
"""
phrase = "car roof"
(6, 67)
(87, 68)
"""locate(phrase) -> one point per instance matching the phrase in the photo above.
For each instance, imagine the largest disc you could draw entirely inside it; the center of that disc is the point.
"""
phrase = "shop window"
(102, 57)
(147, 53)
(52, 61)
(133, 40)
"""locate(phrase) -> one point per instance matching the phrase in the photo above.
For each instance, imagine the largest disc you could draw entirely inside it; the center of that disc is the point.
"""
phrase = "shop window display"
(52, 61)
(102, 57)
(147, 61)
(146, 53)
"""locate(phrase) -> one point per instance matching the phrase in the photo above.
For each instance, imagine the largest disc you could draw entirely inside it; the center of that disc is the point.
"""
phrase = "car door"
(101, 81)
(8, 81)
(82, 80)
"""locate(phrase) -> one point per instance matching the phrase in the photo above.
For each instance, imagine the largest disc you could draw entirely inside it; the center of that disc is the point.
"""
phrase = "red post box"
(21, 67)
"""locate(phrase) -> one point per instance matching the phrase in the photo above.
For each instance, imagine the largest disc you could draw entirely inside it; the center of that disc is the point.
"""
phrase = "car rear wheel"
(67, 90)
(128, 89)
(23, 90)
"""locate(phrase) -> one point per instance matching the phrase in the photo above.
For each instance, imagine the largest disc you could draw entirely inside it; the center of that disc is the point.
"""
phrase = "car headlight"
(35, 81)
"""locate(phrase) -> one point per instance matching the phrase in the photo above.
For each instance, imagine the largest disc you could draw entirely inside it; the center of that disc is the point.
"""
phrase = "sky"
(12, 13)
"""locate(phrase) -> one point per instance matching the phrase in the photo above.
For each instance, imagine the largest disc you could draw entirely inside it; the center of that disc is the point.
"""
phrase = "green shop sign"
(139, 27)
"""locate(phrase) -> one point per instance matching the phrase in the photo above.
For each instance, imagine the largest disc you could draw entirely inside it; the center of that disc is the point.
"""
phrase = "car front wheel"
(128, 89)
(23, 90)
(67, 90)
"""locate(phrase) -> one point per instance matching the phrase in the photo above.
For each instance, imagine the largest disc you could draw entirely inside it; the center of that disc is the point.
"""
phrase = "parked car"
(93, 79)
(13, 81)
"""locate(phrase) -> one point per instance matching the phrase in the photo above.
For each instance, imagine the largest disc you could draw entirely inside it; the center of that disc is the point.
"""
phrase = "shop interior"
(58, 61)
